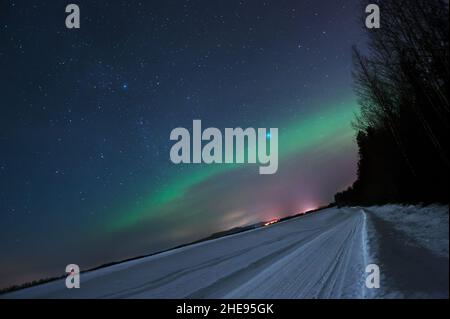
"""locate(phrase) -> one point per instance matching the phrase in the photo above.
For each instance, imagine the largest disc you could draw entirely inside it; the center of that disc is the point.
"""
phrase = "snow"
(428, 225)
(320, 255)
(410, 244)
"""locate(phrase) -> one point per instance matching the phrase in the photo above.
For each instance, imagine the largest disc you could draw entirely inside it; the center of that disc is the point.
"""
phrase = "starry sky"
(86, 114)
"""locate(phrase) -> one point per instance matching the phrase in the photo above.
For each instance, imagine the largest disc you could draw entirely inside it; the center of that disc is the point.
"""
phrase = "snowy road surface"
(321, 255)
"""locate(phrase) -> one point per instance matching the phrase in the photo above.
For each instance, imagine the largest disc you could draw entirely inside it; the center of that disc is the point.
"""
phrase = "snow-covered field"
(321, 255)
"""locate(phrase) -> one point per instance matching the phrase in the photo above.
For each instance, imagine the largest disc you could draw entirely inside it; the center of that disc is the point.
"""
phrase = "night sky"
(86, 114)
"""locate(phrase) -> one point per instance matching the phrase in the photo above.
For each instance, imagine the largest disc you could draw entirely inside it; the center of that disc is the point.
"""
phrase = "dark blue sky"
(85, 118)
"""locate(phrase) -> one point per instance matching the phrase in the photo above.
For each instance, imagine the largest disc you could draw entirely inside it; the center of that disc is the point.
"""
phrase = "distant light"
(308, 209)
(273, 221)
(268, 135)
(125, 86)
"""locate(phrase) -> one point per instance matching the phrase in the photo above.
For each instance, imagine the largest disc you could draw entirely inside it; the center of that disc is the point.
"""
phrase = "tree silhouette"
(402, 84)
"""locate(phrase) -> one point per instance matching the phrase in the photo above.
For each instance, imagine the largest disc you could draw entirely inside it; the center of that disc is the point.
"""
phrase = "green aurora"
(295, 136)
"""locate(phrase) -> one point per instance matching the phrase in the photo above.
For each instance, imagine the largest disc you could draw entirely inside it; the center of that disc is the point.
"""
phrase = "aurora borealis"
(85, 174)
(316, 131)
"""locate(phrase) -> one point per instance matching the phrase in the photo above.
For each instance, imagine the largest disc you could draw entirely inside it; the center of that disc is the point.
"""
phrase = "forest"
(401, 80)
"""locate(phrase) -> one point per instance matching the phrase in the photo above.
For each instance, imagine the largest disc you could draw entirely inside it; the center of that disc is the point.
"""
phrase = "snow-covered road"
(321, 255)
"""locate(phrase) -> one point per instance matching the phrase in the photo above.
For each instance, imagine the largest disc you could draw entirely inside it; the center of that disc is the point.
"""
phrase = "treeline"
(403, 122)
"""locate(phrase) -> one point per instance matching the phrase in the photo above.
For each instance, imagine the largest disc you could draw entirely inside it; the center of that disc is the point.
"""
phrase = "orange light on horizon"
(273, 221)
